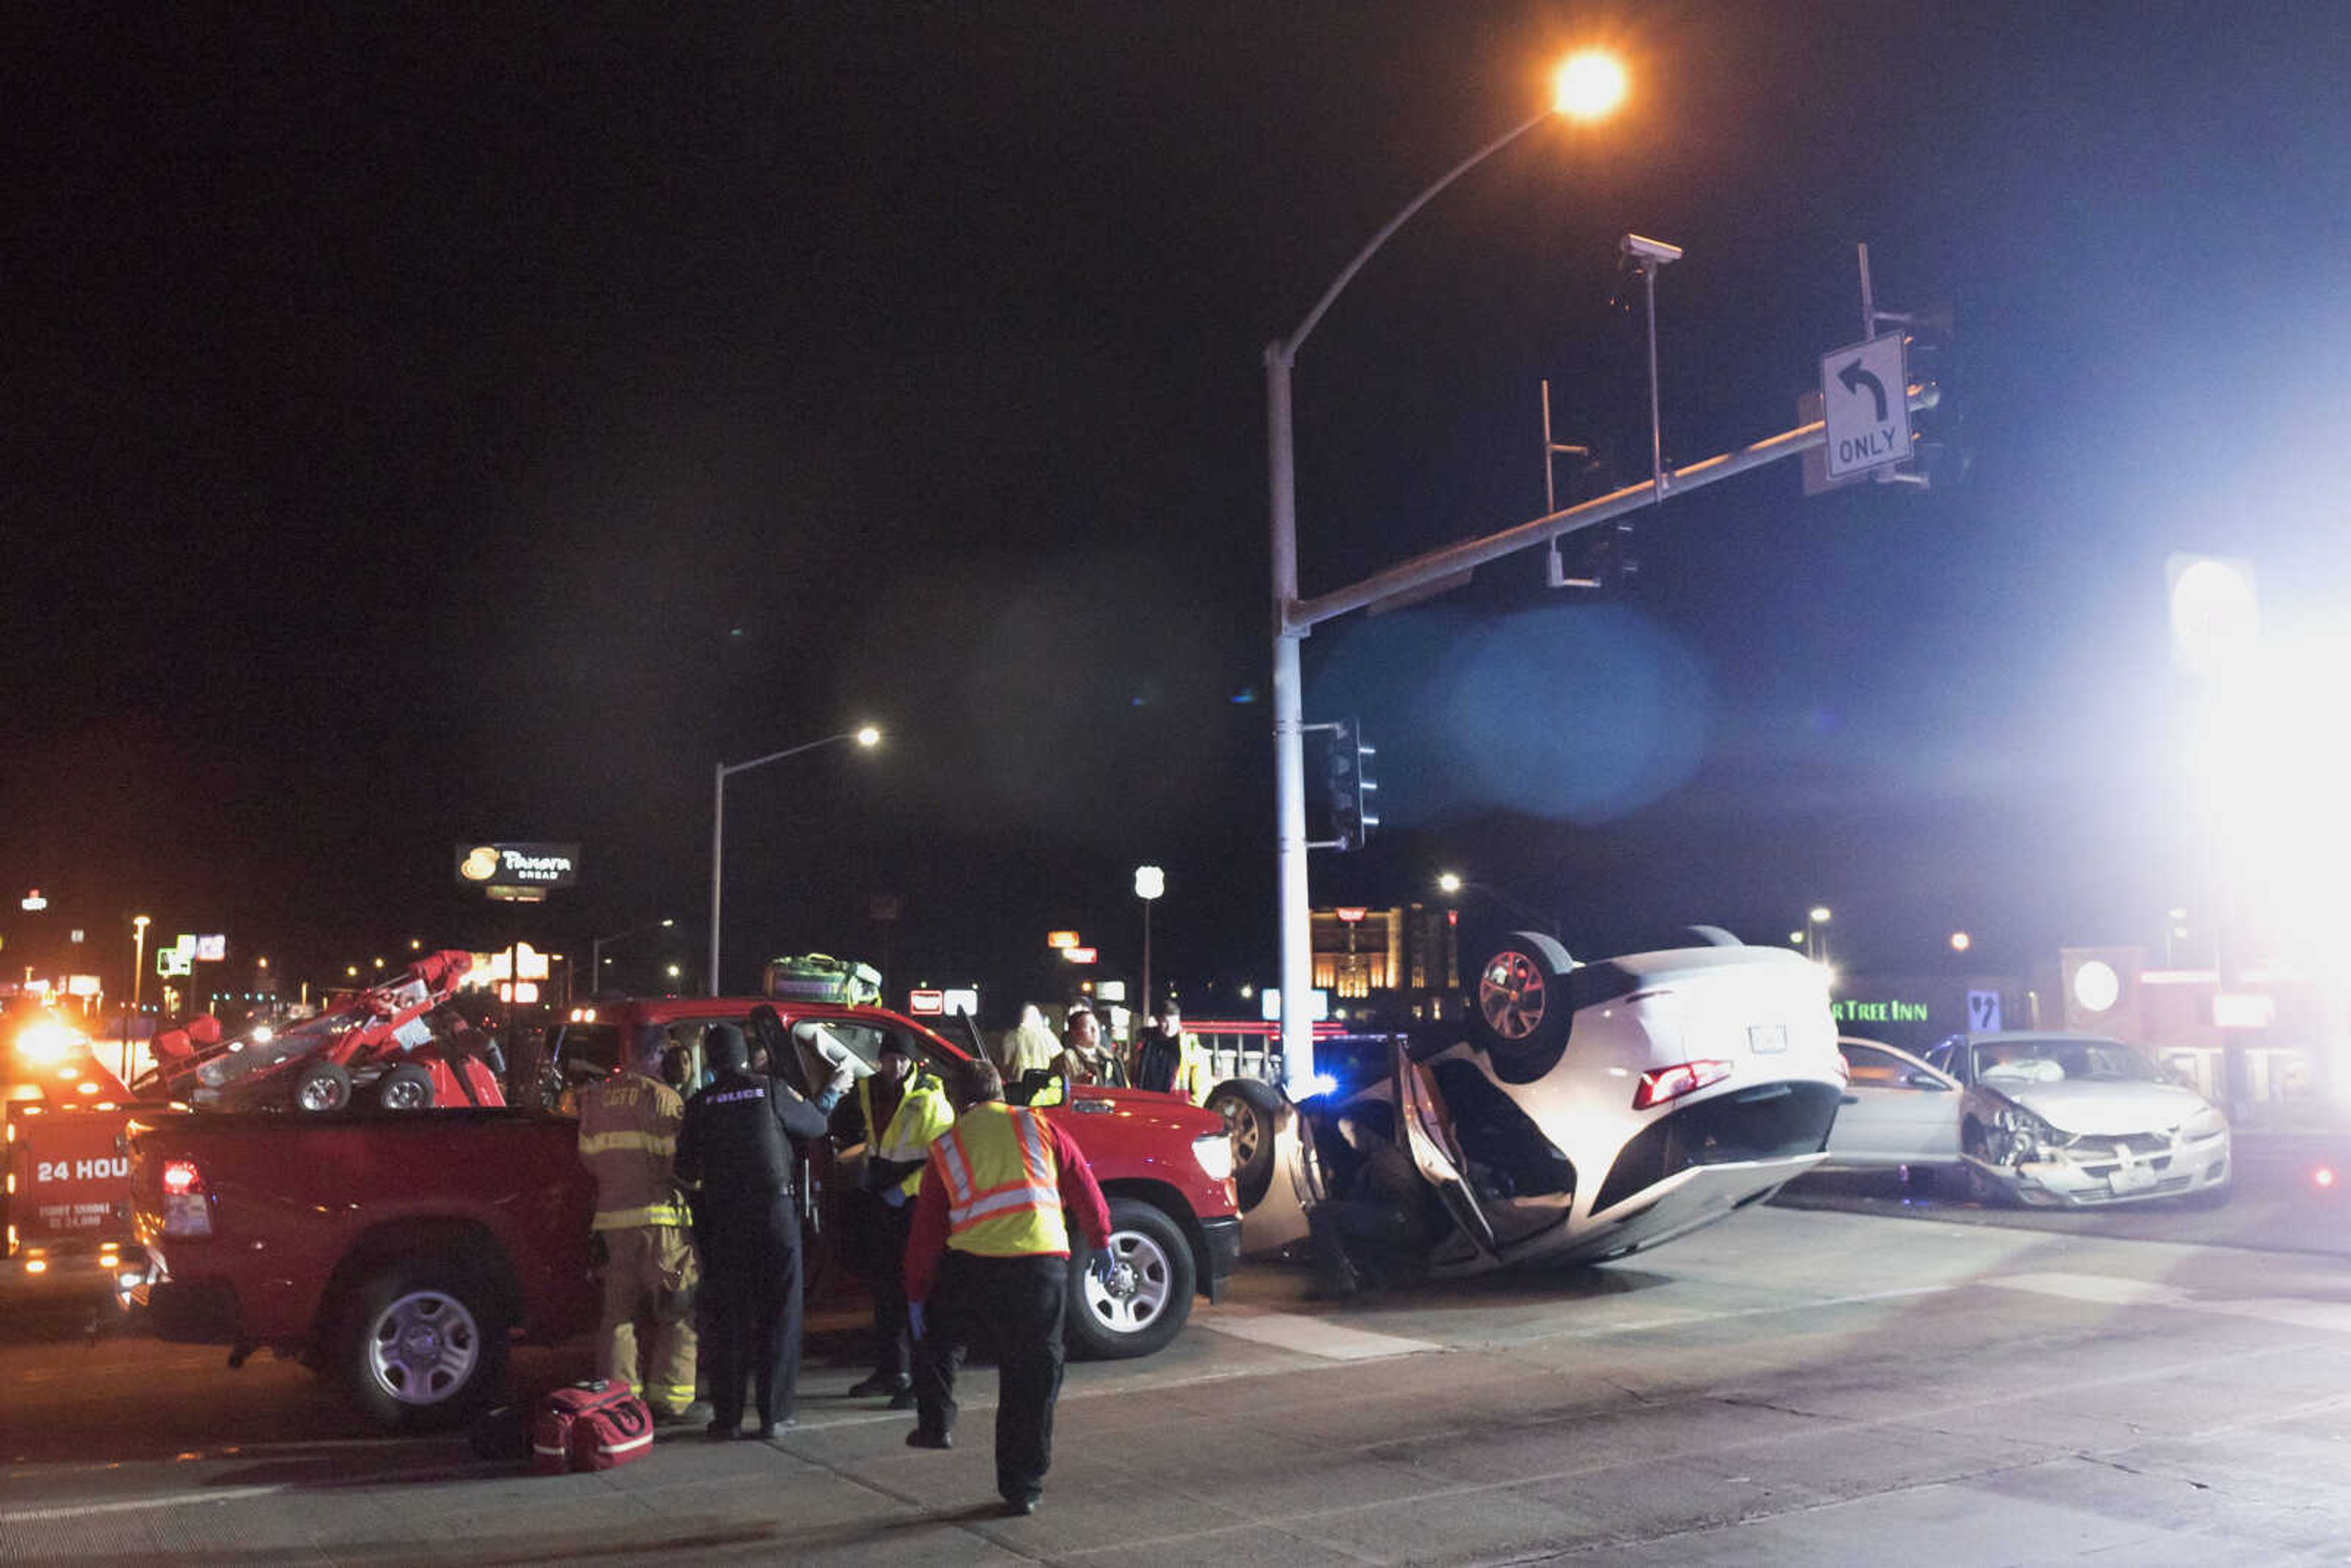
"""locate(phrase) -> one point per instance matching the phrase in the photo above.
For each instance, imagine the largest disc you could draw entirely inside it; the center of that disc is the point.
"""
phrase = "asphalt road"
(1792, 1386)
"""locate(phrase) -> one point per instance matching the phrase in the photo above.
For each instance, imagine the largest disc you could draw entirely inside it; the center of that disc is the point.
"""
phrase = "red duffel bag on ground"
(589, 1426)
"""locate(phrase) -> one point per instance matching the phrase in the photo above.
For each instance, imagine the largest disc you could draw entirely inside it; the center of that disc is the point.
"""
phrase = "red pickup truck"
(403, 1254)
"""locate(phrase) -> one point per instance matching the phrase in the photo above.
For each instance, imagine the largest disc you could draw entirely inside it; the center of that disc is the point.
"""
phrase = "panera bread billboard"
(525, 873)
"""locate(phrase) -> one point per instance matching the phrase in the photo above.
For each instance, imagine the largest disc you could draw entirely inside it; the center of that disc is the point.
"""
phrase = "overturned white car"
(2076, 1120)
(1584, 1111)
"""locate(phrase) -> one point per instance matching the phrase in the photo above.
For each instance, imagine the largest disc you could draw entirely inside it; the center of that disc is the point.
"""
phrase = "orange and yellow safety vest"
(1003, 1184)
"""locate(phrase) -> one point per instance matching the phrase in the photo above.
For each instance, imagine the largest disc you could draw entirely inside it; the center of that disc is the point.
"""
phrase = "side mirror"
(1925, 1080)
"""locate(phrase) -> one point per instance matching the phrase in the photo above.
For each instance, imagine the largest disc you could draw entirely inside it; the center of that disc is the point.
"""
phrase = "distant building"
(1406, 954)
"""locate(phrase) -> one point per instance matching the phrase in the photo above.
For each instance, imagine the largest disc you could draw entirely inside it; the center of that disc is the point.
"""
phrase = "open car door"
(1426, 1132)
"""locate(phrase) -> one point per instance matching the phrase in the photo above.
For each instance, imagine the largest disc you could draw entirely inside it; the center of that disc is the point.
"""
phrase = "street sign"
(1983, 1011)
(1865, 405)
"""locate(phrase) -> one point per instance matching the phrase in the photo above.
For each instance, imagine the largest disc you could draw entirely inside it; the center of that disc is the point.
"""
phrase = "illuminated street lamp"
(139, 924)
(596, 950)
(1452, 883)
(1816, 945)
(1150, 884)
(867, 736)
(1586, 88)
(1961, 941)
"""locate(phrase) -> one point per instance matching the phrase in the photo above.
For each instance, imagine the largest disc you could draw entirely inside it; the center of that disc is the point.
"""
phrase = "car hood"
(2106, 1108)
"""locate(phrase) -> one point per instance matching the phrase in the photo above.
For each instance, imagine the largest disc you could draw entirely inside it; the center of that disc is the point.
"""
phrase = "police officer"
(628, 1137)
(987, 1263)
(737, 1143)
(905, 1107)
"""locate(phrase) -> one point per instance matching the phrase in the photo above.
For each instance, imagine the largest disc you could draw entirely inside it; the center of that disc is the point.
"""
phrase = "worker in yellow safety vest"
(987, 1263)
(904, 1107)
(628, 1140)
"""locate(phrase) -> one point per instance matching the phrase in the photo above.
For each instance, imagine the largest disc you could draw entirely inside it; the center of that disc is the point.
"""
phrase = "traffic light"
(1353, 816)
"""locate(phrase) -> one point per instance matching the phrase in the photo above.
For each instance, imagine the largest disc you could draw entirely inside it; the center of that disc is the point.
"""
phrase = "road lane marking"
(136, 1504)
(1314, 1336)
(2331, 1316)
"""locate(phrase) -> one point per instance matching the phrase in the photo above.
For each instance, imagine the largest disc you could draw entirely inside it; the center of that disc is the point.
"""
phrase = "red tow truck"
(68, 1227)
(403, 1255)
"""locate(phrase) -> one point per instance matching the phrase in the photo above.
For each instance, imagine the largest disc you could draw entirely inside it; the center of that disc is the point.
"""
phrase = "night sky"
(433, 425)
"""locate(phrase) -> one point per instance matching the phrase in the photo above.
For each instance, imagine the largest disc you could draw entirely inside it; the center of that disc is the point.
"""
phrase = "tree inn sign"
(1855, 1010)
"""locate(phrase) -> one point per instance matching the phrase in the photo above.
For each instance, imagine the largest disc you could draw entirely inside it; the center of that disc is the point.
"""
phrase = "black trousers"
(751, 1281)
(1011, 1308)
(881, 1231)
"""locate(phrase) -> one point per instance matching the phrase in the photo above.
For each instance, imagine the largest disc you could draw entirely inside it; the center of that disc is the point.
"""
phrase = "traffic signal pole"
(1294, 618)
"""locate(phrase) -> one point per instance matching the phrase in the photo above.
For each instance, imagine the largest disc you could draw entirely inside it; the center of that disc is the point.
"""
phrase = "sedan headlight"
(2205, 1124)
(2018, 1136)
(1215, 1153)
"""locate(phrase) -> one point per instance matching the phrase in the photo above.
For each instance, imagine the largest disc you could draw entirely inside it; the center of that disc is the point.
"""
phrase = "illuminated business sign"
(212, 949)
(1079, 955)
(925, 1004)
(1351, 913)
(525, 871)
(1849, 1010)
(1063, 939)
(32, 901)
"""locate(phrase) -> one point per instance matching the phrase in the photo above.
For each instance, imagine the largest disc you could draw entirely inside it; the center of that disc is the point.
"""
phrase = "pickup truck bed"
(399, 1253)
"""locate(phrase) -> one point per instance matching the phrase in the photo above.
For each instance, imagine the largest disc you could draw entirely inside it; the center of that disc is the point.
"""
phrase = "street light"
(1149, 883)
(1815, 941)
(1288, 694)
(596, 950)
(867, 736)
(139, 924)
(1451, 883)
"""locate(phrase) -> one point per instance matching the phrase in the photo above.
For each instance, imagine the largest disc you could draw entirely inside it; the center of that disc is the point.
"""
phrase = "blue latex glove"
(914, 1318)
(1103, 1267)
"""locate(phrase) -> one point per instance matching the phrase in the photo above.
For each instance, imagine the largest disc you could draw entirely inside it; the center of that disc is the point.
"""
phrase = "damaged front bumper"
(2090, 1171)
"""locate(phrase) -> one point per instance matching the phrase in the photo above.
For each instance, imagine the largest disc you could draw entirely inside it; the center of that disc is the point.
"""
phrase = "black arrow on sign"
(1853, 375)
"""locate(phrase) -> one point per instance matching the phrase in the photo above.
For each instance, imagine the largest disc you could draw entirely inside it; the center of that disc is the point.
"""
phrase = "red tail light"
(1660, 1084)
(187, 1210)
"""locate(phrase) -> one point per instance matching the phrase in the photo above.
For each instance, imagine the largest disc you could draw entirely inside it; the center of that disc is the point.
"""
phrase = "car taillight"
(1660, 1084)
(187, 1208)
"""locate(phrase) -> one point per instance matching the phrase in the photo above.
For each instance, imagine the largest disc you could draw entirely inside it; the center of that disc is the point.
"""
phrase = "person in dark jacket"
(735, 1145)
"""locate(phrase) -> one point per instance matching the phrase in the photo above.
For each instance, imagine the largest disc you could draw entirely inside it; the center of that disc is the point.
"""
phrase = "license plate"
(1766, 1039)
(2134, 1179)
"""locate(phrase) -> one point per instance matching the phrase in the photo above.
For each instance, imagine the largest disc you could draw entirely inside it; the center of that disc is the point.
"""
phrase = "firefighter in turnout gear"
(988, 1264)
(905, 1107)
(628, 1140)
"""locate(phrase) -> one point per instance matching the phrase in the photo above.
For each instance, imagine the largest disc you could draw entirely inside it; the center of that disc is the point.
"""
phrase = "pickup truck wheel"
(1148, 1297)
(425, 1345)
(1248, 1108)
(406, 1087)
(322, 1086)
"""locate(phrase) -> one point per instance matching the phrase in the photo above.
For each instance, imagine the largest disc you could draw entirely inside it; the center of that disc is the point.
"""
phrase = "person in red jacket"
(987, 1262)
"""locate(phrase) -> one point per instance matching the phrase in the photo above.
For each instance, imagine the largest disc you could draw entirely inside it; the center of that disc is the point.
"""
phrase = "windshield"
(2064, 1060)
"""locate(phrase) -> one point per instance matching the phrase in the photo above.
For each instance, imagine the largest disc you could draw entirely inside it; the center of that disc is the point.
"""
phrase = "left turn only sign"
(1865, 406)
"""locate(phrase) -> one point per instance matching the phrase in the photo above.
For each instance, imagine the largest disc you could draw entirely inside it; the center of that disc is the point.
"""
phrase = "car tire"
(321, 1086)
(1251, 1110)
(423, 1345)
(1150, 1300)
(1517, 1006)
(406, 1087)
